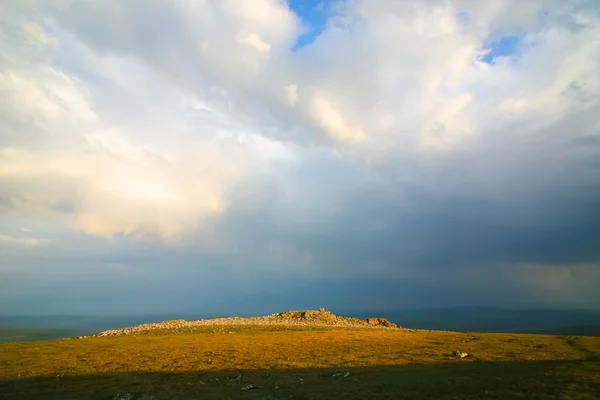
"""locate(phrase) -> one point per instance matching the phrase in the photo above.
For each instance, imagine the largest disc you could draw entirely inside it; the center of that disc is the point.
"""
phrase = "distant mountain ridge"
(466, 319)
(483, 319)
(575, 330)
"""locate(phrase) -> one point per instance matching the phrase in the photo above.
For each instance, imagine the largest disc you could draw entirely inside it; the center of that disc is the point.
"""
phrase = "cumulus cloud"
(386, 150)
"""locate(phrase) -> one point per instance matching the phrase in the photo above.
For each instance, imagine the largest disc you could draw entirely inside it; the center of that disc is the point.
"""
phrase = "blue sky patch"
(314, 14)
(503, 47)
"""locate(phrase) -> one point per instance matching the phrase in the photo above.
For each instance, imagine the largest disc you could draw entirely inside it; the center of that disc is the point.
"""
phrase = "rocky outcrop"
(380, 322)
(306, 316)
(319, 317)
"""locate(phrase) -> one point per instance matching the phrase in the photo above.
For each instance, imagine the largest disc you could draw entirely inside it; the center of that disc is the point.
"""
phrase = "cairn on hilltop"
(322, 316)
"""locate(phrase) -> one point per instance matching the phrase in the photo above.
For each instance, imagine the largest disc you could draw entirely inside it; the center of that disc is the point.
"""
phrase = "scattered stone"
(133, 396)
(341, 375)
(460, 354)
(250, 387)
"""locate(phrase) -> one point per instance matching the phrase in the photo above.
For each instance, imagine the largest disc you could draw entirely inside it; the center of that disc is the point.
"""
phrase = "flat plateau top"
(273, 362)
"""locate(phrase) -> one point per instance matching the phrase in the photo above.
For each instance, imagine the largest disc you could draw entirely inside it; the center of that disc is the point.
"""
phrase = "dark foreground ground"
(302, 363)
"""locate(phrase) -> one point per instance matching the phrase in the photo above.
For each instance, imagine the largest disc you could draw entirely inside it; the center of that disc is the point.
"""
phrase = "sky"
(252, 157)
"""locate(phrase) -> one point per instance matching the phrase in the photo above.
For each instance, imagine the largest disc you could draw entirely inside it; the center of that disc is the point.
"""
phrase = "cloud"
(252, 39)
(71, 153)
(331, 119)
(291, 94)
(21, 241)
(191, 139)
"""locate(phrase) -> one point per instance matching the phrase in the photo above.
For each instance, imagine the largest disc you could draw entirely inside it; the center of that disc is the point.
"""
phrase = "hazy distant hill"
(88, 324)
(494, 320)
(8, 335)
(576, 330)
(475, 319)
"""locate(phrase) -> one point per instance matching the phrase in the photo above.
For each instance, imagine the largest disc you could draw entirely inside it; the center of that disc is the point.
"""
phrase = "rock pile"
(292, 318)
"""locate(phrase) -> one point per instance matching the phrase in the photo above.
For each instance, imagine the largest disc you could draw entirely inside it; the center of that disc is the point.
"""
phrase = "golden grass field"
(299, 363)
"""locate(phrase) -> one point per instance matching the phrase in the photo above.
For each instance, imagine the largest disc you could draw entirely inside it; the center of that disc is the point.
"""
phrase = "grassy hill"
(284, 362)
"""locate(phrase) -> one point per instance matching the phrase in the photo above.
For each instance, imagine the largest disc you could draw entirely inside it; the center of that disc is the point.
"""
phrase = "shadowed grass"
(204, 362)
(492, 380)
